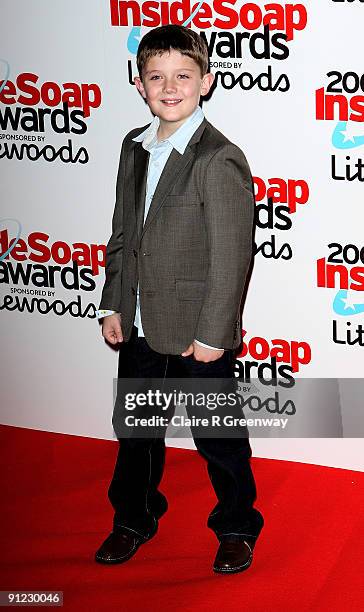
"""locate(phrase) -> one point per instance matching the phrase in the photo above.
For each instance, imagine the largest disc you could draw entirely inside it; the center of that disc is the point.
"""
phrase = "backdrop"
(290, 92)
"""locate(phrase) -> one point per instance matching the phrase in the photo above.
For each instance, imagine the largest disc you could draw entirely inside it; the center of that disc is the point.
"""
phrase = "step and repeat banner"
(289, 91)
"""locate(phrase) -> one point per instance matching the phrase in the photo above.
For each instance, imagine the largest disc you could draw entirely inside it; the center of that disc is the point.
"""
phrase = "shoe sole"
(234, 570)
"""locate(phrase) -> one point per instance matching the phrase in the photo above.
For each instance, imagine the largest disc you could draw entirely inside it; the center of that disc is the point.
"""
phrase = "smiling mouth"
(171, 102)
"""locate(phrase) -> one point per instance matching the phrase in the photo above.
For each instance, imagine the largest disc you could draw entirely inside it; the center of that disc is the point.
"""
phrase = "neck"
(165, 129)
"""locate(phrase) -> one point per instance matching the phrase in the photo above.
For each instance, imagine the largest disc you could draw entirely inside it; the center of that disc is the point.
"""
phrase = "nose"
(169, 85)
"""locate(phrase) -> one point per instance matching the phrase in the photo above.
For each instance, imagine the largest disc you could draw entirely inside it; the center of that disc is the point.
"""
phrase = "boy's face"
(172, 86)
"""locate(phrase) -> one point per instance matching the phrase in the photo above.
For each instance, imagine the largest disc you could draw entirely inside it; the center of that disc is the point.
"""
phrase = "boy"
(176, 265)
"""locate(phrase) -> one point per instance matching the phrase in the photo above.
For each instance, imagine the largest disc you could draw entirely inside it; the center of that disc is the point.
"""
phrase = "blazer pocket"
(190, 289)
(181, 200)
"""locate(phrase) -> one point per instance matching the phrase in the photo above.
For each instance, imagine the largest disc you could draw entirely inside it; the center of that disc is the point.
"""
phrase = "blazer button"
(135, 253)
(145, 254)
(133, 290)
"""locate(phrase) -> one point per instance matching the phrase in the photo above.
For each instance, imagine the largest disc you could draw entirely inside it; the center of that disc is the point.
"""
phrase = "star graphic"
(349, 301)
(348, 134)
(345, 136)
(347, 304)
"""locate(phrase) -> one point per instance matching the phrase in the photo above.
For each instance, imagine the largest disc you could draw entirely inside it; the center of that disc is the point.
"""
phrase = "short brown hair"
(177, 37)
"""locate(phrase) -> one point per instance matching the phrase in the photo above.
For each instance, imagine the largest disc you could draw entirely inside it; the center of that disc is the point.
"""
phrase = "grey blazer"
(192, 255)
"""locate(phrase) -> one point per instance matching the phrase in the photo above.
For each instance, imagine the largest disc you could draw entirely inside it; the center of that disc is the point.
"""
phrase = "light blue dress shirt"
(160, 151)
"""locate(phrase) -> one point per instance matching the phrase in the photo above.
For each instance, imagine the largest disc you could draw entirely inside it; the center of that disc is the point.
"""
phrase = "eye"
(185, 76)
(154, 77)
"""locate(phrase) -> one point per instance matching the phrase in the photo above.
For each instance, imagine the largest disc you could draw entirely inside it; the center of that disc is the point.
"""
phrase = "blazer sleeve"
(229, 220)
(111, 293)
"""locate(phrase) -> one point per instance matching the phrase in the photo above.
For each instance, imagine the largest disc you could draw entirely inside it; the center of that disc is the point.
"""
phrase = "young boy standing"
(176, 265)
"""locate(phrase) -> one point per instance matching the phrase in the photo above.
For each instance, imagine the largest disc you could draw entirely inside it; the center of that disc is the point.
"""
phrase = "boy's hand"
(202, 353)
(111, 328)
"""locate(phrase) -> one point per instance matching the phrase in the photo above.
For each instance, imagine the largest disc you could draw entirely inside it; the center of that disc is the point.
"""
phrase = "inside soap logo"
(234, 31)
(277, 201)
(34, 267)
(341, 100)
(31, 108)
(274, 362)
(342, 270)
(4, 73)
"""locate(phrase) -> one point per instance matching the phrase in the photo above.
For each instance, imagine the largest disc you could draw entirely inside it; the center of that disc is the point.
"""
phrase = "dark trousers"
(133, 490)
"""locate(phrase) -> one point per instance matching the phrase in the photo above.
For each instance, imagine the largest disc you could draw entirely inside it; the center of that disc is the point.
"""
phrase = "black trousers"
(134, 494)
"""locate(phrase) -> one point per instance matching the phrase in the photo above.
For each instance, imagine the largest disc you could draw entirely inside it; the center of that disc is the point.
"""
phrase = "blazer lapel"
(174, 166)
(141, 157)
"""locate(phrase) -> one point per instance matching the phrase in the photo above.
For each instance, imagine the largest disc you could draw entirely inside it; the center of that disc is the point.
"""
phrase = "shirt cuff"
(208, 346)
(103, 313)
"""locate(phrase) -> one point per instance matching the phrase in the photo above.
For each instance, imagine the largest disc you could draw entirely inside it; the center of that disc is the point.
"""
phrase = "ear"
(139, 85)
(206, 83)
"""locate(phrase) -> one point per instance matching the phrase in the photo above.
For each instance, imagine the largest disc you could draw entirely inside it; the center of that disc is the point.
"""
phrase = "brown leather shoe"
(119, 547)
(234, 555)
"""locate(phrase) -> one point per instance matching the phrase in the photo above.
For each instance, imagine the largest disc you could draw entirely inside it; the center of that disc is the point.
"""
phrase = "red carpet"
(55, 513)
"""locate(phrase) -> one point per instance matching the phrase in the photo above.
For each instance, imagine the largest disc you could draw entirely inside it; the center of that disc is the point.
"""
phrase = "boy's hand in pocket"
(201, 353)
(111, 328)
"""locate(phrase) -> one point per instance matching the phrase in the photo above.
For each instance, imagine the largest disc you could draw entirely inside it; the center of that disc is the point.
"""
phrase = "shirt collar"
(179, 139)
